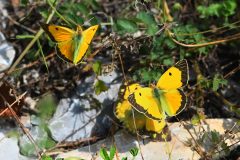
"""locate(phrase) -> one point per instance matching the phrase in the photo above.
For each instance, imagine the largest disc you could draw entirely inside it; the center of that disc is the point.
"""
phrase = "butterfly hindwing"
(173, 102)
(144, 101)
(153, 125)
(175, 77)
(65, 50)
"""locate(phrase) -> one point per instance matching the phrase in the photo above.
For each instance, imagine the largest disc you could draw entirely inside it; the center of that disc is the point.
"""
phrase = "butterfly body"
(167, 98)
(78, 39)
(71, 45)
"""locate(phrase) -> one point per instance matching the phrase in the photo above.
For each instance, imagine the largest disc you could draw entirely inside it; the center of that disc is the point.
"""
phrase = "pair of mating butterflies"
(71, 45)
(167, 98)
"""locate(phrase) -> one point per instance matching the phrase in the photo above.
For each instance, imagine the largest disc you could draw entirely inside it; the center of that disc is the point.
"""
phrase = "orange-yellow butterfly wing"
(58, 33)
(144, 101)
(65, 50)
(130, 89)
(87, 36)
(175, 77)
(173, 102)
(72, 45)
(155, 126)
(63, 36)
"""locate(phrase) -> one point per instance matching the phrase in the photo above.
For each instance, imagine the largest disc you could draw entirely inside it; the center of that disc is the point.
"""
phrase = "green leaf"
(215, 136)
(125, 25)
(100, 87)
(97, 67)
(168, 62)
(124, 158)
(149, 22)
(46, 107)
(103, 154)
(217, 81)
(230, 6)
(220, 9)
(134, 151)
(112, 152)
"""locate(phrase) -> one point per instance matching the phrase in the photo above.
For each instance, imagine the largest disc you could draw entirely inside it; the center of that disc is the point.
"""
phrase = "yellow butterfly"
(71, 45)
(167, 99)
(123, 112)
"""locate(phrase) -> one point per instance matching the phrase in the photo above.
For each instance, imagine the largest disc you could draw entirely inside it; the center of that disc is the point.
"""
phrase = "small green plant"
(217, 82)
(44, 157)
(218, 9)
(110, 156)
(134, 153)
(104, 154)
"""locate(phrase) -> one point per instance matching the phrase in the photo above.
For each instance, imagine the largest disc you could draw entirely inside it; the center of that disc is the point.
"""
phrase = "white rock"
(7, 54)
(8, 148)
(31, 103)
(71, 118)
(110, 77)
(174, 149)
(110, 95)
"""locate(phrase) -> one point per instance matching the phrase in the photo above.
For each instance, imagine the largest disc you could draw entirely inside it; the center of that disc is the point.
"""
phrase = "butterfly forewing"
(183, 67)
(175, 77)
(144, 101)
(58, 33)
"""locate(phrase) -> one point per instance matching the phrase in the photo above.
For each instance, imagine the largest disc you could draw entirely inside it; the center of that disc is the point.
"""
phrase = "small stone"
(8, 148)
(7, 54)
(30, 102)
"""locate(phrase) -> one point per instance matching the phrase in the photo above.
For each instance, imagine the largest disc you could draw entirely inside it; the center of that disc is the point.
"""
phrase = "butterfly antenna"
(88, 21)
